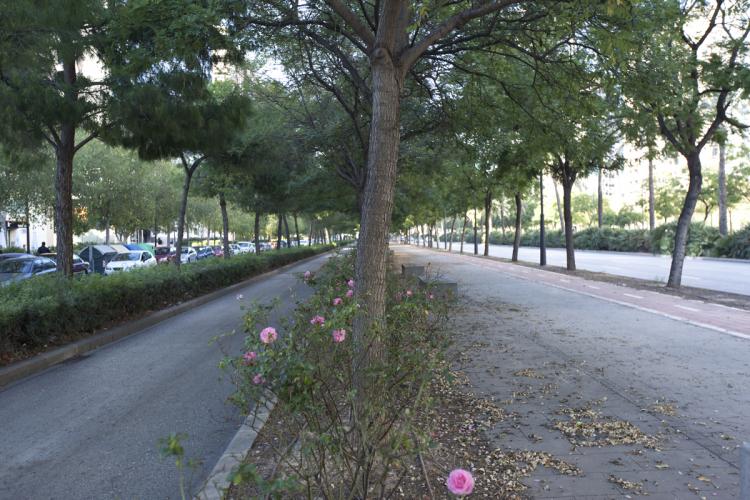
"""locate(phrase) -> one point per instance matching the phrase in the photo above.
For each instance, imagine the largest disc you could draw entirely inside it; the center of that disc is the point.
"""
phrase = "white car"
(127, 261)
(188, 255)
(234, 249)
(246, 246)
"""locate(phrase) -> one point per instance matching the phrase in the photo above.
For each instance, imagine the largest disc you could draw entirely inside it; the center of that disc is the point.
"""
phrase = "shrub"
(307, 368)
(701, 239)
(736, 245)
(12, 250)
(49, 309)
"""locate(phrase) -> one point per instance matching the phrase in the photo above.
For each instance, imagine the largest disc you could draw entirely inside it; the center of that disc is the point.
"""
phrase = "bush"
(12, 250)
(343, 420)
(735, 246)
(50, 309)
(613, 239)
(702, 239)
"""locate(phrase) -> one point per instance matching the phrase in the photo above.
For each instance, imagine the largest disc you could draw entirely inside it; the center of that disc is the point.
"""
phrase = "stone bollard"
(745, 471)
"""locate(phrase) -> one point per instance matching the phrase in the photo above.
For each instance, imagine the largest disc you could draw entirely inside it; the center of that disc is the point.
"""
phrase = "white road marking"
(594, 287)
(688, 308)
(691, 277)
(564, 281)
(633, 296)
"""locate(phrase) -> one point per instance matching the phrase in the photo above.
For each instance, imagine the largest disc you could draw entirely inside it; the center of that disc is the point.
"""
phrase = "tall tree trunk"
(64, 152)
(567, 212)
(107, 229)
(312, 227)
(517, 235)
(429, 235)
(487, 221)
(445, 239)
(453, 225)
(28, 228)
(286, 230)
(723, 189)
(476, 242)
(542, 242)
(256, 235)
(502, 216)
(224, 224)
(296, 229)
(683, 222)
(600, 202)
(463, 234)
(651, 197)
(181, 225)
(559, 206)
(278, 232)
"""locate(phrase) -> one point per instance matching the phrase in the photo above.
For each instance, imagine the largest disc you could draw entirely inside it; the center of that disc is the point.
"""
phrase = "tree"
(687, 70)
(668, 199)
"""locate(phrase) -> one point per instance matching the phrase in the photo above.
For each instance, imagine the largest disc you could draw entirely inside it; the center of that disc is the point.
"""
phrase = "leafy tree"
(668, 199)
(686, 71)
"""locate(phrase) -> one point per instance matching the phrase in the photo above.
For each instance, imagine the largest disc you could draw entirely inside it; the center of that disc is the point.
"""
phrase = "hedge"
(702, 240)
(51, 309)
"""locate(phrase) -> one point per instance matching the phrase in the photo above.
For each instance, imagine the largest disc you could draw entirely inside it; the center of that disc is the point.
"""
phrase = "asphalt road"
(89, 428)
(726, 276)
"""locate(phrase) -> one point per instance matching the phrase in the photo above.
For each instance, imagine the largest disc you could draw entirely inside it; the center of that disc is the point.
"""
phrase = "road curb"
(238, 448)
(18, 371)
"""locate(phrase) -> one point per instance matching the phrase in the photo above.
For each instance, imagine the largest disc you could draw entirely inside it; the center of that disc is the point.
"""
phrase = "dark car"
(165, 255)
(205, 252)
(6, 256)
(80, 266)
(218, 251)
(23, 268)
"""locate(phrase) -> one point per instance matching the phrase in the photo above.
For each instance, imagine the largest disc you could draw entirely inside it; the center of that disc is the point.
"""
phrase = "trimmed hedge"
(48, 309)
(702, 240)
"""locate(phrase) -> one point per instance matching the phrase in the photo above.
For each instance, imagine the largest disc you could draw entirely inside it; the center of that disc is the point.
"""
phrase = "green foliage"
(701, 239)
(735, 245)
(49, 309)
(306, 369)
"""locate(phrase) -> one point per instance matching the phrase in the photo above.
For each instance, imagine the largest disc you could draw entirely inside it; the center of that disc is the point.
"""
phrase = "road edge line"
(234, 454)
(20, 371)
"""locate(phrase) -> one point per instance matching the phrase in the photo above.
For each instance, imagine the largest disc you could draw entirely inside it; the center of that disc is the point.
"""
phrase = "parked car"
(246, 246)
(127, 261)
(23, 268)
(218, 251)
(80, 266)
(234, 248)
(165, 255)
(6, 256)
(265, 246)
(187, 255)
(204, 253)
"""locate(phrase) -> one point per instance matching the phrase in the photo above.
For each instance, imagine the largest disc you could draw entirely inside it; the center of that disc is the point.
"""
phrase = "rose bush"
(346, 445)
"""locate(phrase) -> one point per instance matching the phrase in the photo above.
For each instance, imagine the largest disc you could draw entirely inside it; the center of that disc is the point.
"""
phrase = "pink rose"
(258, 379)
(338, 301)
(268, 335)
(349, 294)
(339, 335)
(460, 482)
(350, 283)
(409, 293)
(249, 357)
(308, 275)
(318, 320)
(430, 296)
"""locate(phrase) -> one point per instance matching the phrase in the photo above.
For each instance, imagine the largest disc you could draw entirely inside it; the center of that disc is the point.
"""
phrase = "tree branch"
(367, 36)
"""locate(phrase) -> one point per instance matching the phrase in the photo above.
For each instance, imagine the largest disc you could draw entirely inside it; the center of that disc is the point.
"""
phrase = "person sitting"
(43, 249)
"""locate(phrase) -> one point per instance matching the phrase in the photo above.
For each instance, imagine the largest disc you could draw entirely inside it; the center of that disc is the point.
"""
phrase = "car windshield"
(186, 250)
(124, 257)
(16, 266)
(244, 244)
(162, 251)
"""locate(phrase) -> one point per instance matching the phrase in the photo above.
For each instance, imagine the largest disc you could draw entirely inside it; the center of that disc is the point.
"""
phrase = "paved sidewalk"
(642, 403)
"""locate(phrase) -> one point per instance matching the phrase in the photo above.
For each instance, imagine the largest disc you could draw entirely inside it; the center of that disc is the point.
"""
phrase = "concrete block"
(441, 289)
(412, 270)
